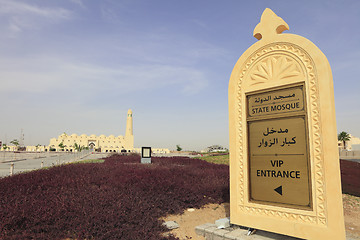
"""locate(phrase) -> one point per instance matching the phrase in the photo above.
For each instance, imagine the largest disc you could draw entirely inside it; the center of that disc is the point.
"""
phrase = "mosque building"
(100, 143)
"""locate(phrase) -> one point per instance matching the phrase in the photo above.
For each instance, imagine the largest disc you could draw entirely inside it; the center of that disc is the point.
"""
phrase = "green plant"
(344, 137)
(5, 147)
(37, 147)
(178, 148)
(218, 159)
(62, 146)
(78, 147)
(16, 143)
(89, 161)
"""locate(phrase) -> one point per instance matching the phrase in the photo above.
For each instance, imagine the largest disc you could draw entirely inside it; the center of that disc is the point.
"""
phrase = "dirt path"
(195, 217)
(352, 215)
(212, 212)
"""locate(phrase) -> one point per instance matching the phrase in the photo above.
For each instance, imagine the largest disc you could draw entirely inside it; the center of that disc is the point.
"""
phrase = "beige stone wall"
(353, 140)
(106, 144)
(102, 142)
(154, 150)
(10, 148)
(37, 149)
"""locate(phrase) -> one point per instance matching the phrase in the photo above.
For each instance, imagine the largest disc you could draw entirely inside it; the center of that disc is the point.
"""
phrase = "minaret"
(129, 137)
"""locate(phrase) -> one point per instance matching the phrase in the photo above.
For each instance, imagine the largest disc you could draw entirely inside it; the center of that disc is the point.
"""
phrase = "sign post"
(146, 155)
(284, 166)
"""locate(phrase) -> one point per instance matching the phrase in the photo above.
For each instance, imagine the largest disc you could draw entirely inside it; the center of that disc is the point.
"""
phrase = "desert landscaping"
(120, 198)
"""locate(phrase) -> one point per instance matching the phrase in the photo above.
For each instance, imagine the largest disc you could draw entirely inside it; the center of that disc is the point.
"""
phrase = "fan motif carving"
(274, 68)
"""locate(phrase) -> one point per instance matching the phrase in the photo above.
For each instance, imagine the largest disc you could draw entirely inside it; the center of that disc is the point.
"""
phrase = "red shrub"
(118, 199)
(350, 177)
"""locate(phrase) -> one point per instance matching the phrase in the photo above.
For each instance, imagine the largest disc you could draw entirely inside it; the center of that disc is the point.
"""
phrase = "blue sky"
(77, 66)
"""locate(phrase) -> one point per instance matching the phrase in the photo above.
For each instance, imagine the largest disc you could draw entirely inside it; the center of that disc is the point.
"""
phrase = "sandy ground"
(212, 212)
(190, 219)
(352, 215)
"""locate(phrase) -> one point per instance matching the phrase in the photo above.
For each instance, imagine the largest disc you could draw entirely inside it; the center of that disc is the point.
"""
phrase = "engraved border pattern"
(314, 126)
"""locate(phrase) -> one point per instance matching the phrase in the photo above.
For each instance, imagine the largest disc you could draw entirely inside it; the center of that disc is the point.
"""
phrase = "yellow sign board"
(275, 102)
(278, 156)
(278, 161)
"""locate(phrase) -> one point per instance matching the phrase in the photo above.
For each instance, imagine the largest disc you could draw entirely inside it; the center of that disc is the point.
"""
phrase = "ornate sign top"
(270, 24)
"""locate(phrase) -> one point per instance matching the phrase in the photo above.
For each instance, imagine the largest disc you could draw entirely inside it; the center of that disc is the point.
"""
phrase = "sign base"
(211, 231)
(145, 160)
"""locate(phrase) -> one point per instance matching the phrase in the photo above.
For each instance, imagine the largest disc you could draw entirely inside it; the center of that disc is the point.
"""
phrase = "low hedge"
(117, 199)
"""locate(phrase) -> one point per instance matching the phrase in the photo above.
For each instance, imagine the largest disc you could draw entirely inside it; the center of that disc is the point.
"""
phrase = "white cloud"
(200, 23)
(14, 27)
(109, 14)
(46, 74)
(21, 15)
(78, 2)
(16, 7)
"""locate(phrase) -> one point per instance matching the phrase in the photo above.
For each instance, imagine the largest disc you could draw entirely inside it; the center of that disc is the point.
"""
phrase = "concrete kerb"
(212, 232)
(219, 234)
(200, 230)
(235, 234)
(209, 231)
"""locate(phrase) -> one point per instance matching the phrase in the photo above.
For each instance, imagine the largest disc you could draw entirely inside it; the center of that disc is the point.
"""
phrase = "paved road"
(31, 161)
